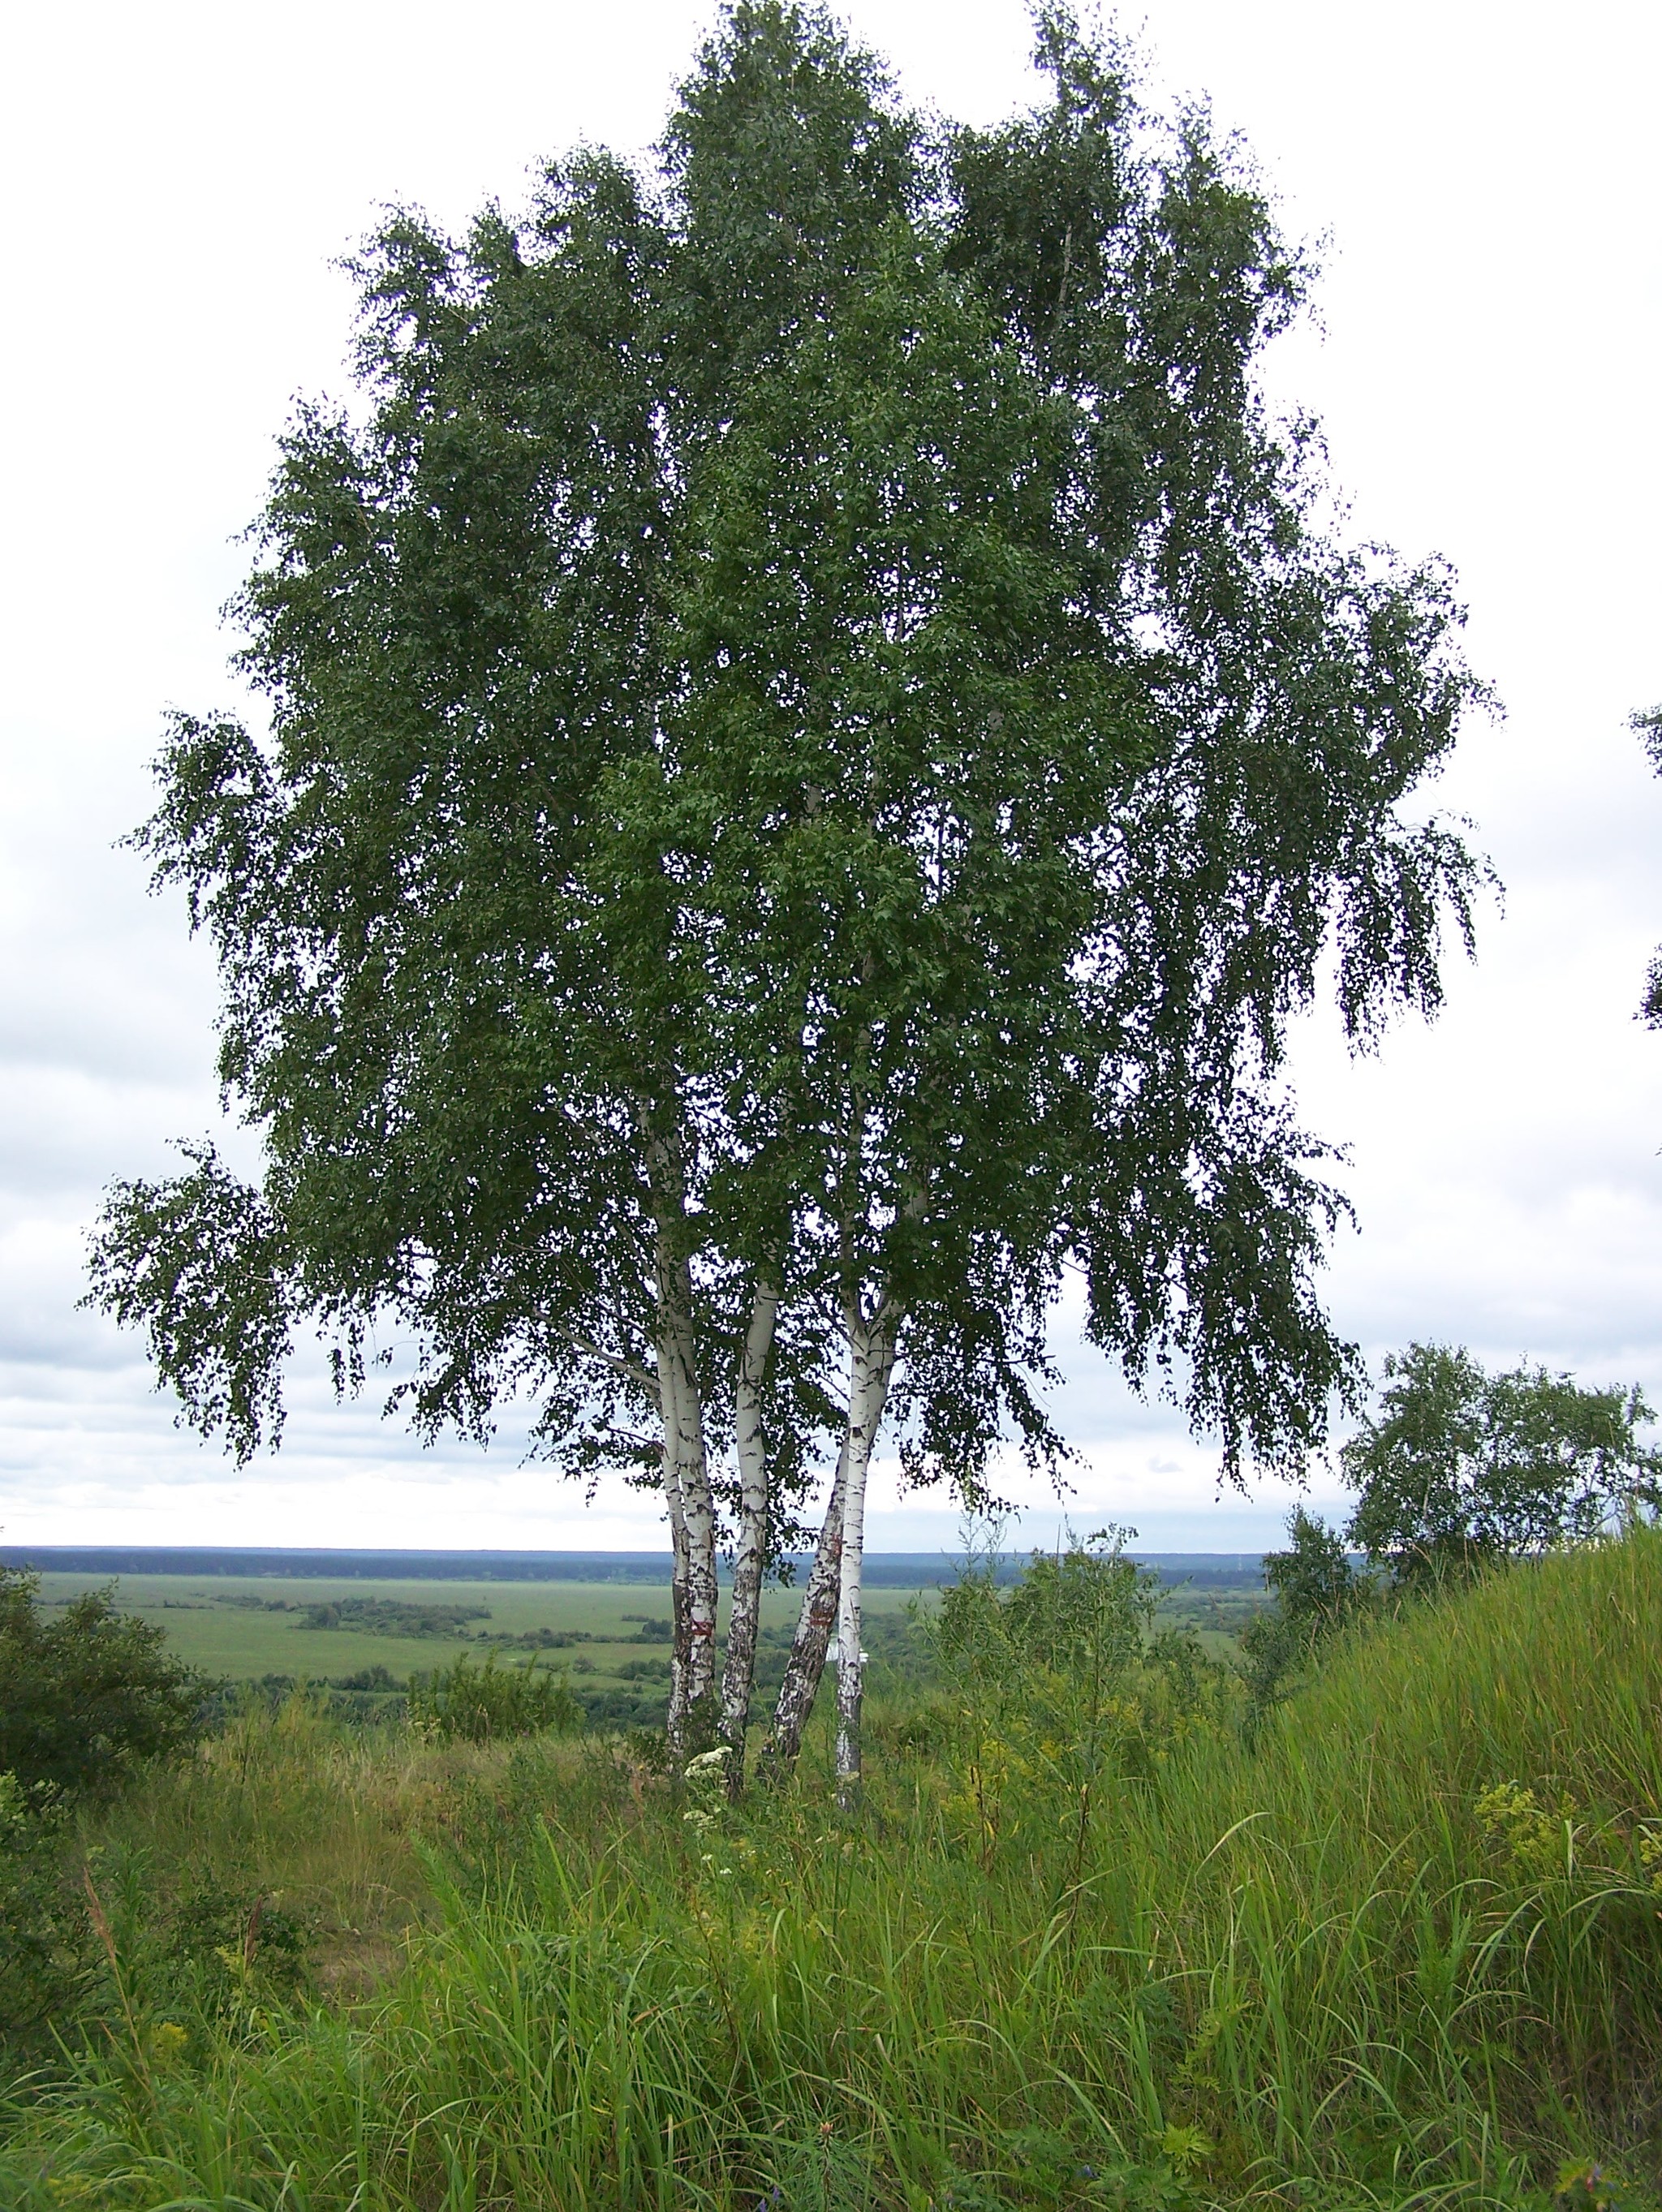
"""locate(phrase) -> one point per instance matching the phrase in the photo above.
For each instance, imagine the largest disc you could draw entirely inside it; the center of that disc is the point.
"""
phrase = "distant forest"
(888, 1570)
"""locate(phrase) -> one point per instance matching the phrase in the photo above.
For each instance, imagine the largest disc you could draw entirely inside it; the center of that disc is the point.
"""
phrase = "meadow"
(1397, 1943)
(243, 1627)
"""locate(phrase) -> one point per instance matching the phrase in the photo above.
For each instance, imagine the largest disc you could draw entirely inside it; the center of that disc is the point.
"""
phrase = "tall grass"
(1403, 1947)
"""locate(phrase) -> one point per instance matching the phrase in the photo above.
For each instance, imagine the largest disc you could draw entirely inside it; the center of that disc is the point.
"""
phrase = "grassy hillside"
(1400, 1945)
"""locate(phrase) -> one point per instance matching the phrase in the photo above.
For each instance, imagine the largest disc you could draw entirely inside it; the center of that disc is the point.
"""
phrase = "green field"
(230, 1625)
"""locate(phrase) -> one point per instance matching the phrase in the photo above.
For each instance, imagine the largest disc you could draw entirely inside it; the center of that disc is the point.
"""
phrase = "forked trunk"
(812, 1637)
(750, 1555)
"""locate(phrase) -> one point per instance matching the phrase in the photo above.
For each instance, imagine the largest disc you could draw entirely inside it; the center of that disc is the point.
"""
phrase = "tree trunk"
(686, 1467)
(812, 1637)
(750, 1555)
(698, 1516)
(676, 1722)
(871, 1362)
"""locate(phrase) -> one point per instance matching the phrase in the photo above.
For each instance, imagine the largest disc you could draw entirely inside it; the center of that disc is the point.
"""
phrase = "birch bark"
(871, 1364)
(750, 1555)
(698, 1516)
(676, 1725)
(686, 1462)
(812, 1639)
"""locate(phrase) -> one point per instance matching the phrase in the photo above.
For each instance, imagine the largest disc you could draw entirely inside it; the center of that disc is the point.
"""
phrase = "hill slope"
(1404, 1947)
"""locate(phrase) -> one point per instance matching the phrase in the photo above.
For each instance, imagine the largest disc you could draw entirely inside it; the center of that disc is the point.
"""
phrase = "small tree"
(1313, 1580)
(1038, 1671)
(87, 1698)
(1316, 1591)
(1459, 1469)
(480, 1704)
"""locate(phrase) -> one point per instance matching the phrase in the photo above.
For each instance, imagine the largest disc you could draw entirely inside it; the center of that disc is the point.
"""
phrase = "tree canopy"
(817, 740)
(1459, 1469)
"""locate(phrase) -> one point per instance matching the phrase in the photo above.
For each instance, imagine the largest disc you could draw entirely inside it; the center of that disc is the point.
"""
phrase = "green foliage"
(184, 1966)
(1075, 1619)
(1316, 1591)
(1053, 1687)
(1313, 1580)
(482, 1703)
(816, 734)
(1592, 2182)
(87, 1698)
(227, 1951)
(393, 1616)
(42, 1946)
(1459, 1469)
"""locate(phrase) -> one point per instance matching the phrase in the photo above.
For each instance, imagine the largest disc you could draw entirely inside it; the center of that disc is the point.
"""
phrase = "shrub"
(1316, 1591)
(479, 1704)
(1074, 1622)
(41, 1928)
(87, 1698)
(1051, 1686)
(227, 1950)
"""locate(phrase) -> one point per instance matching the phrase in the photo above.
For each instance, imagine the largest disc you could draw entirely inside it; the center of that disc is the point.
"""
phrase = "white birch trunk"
(698, 1515)
(813, 1632)
(676, 1726)
(871, 1362)
(686, 1464)
(750, 1555)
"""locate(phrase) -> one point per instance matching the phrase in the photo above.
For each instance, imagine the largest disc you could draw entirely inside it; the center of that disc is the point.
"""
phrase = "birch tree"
(470, 1001)
(1109, 744)
(816, 744)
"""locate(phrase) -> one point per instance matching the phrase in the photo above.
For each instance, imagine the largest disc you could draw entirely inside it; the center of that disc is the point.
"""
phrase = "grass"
(1401, 1946)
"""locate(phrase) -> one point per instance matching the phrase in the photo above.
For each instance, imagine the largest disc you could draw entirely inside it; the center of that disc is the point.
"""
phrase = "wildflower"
(1592, 2184)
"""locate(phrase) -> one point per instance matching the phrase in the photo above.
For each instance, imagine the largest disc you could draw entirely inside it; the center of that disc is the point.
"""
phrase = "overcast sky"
(182, 179)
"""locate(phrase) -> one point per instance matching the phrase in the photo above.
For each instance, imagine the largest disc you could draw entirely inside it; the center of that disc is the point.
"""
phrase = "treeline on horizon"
(889, 1570)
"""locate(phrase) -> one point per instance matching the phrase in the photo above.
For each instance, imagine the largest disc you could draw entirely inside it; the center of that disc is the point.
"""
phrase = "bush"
(87, 1698)
(226, 1951)
(479, 1704)
(42, 1929)
(1316, 1591)
(1052, 1686)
